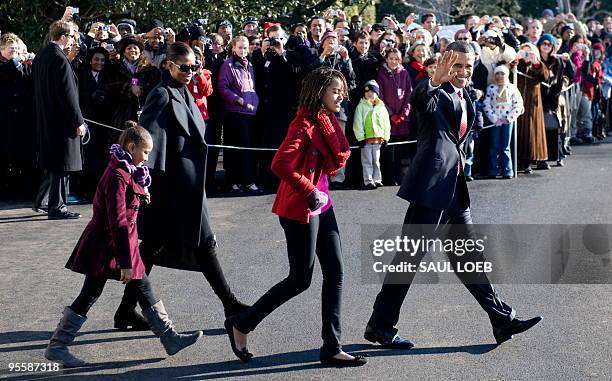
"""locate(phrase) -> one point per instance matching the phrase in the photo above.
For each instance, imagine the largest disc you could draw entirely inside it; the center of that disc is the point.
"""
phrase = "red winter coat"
(301, 159)
(203, 89)
(109, 242)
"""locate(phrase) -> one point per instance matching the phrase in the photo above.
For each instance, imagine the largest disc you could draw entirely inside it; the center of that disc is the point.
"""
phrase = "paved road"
(453, 336)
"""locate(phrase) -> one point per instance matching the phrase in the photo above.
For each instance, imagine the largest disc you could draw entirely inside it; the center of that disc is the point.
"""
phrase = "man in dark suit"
(437, 191)
(59, 120)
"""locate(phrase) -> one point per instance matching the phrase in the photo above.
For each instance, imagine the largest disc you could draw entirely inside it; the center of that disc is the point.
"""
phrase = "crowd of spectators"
(247, 78)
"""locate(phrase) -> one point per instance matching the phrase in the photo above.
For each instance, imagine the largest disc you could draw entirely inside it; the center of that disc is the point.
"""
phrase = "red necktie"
(462, 127)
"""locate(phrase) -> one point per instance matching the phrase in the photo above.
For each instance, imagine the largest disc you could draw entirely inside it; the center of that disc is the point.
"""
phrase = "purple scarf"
(139, 174)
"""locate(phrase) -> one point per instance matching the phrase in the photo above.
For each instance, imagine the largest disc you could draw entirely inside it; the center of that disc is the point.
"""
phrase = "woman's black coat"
(176, 223)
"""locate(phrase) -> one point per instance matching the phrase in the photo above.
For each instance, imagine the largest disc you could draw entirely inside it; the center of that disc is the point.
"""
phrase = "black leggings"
(93, 287)
(320, 237)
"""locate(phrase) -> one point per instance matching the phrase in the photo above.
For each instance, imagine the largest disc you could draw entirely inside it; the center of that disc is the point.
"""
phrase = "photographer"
(130, 80)
(156, 39)
(101, 34)
(495, 52)
(276, 84)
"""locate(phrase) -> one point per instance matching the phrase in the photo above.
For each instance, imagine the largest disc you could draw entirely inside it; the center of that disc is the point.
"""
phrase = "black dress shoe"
(357, 361)
(515, 326)
(243, 354)
(542, 165)
(127, 319)
(386, 341)
(63, 215)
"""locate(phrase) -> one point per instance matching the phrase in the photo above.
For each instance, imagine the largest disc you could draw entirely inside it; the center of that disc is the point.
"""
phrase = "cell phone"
(75, 10)
(134, 81)
(110, 47)
(333, 13)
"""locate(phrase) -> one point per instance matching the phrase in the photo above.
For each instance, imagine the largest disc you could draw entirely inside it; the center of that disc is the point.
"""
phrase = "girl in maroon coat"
(314, 148)
(108, 249)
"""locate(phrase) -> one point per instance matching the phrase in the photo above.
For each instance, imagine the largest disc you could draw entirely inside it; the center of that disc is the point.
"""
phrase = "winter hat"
(502, 68)
(152, 24)
(128, 23)
(547, 37)
(226, 23)
(249, 20)
(127, 40)
(598, 46)
(328, 34)
(566, 28)
(373, 86)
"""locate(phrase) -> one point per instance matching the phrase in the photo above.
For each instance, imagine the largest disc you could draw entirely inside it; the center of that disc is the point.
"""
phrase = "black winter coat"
(17, 118)
(124, 103)
(177, 221)
(58, 114)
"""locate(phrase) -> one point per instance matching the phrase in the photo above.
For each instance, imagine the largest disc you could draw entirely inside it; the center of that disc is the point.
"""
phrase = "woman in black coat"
(175, 229)
(130, 80)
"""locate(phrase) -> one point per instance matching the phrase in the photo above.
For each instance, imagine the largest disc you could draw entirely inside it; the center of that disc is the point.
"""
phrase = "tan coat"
(531, 131)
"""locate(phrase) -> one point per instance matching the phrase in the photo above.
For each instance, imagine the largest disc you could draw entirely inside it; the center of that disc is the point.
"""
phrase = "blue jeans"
(500, 157)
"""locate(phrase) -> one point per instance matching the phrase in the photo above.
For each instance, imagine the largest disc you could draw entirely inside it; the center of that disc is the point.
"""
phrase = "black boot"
(211, 268)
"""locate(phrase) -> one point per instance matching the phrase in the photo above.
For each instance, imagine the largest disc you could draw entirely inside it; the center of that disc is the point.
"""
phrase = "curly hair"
(133, 133)
(316, 83)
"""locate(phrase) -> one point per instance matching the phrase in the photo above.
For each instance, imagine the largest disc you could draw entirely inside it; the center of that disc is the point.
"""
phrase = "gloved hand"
(316, 200)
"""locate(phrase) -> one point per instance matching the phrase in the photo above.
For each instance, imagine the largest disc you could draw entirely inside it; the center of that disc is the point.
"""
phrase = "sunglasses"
(463, 39)
(390, 41)
(184, 68)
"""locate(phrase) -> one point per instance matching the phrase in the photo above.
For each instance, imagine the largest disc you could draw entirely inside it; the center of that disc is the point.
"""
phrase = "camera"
(110, 47)
(104, 28)
(274, 42)
(75, 10)
(333, 13)
(524, 54)
(134, 81)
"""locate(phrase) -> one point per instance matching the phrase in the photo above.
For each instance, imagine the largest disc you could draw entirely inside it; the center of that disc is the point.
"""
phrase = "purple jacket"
(397, 102)
(237, 82)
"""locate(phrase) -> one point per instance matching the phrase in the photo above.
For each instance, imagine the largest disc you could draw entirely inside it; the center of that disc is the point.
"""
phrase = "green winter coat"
(371, 121)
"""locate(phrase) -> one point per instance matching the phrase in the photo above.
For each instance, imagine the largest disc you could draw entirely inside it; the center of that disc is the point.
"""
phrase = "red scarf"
(420, 68)
(337, 150)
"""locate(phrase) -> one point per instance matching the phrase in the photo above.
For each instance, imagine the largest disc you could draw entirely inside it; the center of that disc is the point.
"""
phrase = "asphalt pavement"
(452, 334)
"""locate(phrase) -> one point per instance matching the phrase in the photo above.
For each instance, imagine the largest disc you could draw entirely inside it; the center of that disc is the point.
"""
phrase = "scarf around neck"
(337, 150)
(244, 61)
(139, 174)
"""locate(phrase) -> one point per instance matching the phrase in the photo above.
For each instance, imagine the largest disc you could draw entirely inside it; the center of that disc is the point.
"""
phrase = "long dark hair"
(315, 84)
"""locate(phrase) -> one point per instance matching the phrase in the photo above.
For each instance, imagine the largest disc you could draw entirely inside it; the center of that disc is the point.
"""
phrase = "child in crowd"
(108, 249)
(430, 65)
(503, 104)
(372, 128)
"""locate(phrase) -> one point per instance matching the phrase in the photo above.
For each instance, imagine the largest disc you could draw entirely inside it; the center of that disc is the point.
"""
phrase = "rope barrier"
(544, 83)
(249, 148)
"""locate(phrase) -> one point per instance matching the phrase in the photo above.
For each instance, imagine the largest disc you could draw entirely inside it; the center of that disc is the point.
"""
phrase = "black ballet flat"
(357, 361)
(244, 355)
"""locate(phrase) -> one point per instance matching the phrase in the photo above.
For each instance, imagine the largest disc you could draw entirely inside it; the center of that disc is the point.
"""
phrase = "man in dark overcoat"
(59, 120)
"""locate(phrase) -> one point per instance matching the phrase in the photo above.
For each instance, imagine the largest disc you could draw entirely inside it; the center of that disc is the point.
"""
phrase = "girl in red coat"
(108, 249)
(314, 148)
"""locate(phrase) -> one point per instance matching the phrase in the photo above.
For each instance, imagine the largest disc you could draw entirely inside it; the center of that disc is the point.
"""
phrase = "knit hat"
(127, 23)
(152, 24)
(328, 34)
(502, 68)
(373, 86)
(249, 20)
(97, 49)
(127, 40)
(598, 46)
(226, 23)
(547, 37)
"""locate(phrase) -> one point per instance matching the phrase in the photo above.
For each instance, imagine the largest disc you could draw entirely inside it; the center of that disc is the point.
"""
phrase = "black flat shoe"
(396, 342)
(244, 355)
(516, 326)
(130, 320)
(357, 361)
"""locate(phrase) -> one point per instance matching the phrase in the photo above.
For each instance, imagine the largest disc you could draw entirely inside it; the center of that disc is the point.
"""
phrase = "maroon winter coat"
(110, 240)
